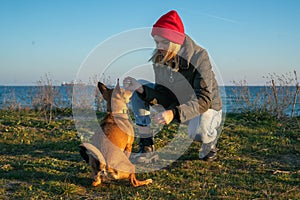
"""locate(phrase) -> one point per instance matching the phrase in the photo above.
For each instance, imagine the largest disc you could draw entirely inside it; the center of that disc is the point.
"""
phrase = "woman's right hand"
(132, 84)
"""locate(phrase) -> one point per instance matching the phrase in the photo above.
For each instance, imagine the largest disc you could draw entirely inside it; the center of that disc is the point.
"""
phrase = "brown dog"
(110, 148)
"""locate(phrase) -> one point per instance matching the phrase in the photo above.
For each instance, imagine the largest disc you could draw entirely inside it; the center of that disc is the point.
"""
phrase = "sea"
(235, 98)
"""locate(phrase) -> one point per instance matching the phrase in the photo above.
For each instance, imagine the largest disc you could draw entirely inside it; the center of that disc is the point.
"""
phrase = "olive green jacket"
(189, 90)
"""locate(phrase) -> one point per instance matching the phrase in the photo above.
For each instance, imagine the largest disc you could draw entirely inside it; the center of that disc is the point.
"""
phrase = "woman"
(185, 86)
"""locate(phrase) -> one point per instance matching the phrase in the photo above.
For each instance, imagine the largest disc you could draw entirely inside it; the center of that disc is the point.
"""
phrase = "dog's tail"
(86, 148)
(137, 183)
(83, 153)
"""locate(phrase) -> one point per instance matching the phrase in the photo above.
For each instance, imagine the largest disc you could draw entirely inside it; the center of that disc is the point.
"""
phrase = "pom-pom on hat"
(170, 27)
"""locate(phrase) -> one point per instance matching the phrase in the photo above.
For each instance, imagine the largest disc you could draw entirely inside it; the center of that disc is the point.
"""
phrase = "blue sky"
(246, 39)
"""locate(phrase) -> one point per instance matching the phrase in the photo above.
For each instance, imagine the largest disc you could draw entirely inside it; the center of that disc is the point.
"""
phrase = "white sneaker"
(208, 151)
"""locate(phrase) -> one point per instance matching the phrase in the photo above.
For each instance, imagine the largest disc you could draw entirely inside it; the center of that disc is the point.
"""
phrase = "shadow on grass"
(47, 161)
(255, 161)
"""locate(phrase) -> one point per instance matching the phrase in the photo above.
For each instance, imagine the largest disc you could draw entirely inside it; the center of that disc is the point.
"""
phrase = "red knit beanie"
(170, 27)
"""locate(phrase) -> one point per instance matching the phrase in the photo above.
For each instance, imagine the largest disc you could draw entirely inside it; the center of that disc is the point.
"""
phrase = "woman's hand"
(164, 117)
(132, 84)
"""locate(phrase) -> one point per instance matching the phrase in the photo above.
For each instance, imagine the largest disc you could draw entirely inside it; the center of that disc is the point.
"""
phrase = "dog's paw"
(96, 183)
(149, 181)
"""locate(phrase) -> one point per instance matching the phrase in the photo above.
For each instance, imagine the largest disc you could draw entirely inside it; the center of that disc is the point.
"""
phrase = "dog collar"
(124, 111)
(122, 114)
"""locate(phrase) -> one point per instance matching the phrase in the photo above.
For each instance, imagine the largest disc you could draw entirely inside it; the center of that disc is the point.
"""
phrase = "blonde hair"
(171, 58)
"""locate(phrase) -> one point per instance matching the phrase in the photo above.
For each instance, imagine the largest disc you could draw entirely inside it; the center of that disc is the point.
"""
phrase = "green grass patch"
(259, 158)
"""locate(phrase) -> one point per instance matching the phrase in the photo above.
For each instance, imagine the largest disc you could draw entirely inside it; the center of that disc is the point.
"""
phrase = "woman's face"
(162, 44)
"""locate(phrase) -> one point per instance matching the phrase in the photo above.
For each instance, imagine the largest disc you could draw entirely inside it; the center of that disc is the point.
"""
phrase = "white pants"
(203, 127)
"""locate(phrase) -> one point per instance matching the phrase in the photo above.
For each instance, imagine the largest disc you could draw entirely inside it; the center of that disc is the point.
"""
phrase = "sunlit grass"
(258, 159)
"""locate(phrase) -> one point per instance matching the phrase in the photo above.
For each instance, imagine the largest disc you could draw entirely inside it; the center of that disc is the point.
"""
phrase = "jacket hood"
(189, 48)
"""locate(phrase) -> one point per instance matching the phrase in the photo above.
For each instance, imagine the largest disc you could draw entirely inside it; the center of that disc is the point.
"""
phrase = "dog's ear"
(118, 85)
(104, 90)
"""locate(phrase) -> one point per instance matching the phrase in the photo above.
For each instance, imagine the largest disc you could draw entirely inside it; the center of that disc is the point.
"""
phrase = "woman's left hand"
(164, 117)
(132, 84)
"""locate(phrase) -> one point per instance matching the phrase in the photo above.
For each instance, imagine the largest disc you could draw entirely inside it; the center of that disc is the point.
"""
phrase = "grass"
(259, 158)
